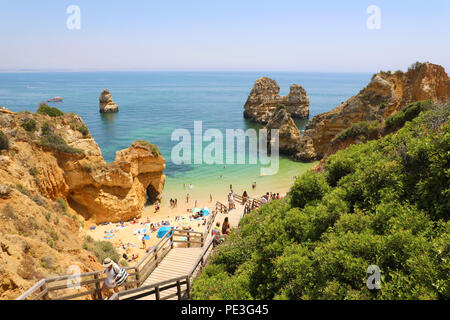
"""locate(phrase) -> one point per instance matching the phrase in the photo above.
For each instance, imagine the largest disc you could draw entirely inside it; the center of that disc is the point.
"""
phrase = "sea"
(154, 104)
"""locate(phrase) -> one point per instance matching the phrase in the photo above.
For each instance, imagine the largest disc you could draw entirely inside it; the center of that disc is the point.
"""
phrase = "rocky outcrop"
(77, 172)
(288, 133)
(265, 97)
(106, 102)
(385, 94)
(54, 181)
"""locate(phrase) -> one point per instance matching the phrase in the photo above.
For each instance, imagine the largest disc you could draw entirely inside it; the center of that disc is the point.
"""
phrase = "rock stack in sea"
(265, 97)
(106, 102)
(289, 135)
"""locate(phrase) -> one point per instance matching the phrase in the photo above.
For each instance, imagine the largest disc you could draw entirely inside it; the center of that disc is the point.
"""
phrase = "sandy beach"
(126, 238)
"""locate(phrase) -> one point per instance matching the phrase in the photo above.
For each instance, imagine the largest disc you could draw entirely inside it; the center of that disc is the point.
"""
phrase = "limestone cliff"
(385, 94)
(265, 97)
(71, 166)
(106, 102)
(289, 135)
(53, 179)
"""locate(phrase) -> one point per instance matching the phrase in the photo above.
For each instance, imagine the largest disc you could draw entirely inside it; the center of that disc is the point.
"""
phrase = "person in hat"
(115, 276)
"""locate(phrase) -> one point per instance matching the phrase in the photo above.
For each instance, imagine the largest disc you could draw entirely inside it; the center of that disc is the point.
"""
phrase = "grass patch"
(4, 142)
(23, 190)
(62, 206)
(80, 127)
(154, 149)
(101, 249)
(54, 141)
(362, 129)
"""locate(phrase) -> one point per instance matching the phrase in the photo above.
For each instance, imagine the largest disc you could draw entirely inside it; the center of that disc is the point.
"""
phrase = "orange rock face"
(53, 178)
(384, 95)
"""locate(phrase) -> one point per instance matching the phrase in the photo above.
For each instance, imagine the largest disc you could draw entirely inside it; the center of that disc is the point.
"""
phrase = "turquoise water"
(153, 104)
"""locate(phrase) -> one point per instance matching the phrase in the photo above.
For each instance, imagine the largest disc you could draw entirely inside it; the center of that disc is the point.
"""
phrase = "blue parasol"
(163, 230)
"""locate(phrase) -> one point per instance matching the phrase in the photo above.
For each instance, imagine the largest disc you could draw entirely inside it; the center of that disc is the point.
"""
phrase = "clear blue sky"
(263, 35)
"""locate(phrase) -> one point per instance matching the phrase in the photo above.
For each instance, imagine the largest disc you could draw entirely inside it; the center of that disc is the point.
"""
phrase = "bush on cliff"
(54, 141)
(408, 113)
(153, 148)
(50, 111)
(384, 203)
(30, 125)
(4, 142)
(101, 249)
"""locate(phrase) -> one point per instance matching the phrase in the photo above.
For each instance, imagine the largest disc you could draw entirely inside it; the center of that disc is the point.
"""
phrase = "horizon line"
(12, 71)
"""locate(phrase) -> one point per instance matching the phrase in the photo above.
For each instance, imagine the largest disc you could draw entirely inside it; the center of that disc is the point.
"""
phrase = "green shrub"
(46, 129)
(79, 127)
(23, 190)
(50, 111)
(101, 249)
(62, 206)
(364, 129)
(30, 125)
(308, 187)
(33, 171)
(54, 141)
(384, 203)
(408, 113)
(4, 142)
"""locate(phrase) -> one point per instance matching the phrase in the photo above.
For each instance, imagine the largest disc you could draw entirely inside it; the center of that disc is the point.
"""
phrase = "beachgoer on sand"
(115, 276)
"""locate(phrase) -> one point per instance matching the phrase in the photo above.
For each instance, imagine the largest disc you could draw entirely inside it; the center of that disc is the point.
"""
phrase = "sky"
(232, 35)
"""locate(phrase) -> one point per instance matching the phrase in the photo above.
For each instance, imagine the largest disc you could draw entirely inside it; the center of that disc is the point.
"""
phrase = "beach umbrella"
(205, 211)
(163, 230)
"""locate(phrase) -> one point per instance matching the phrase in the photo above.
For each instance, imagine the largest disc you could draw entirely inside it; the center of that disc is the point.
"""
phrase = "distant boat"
(55, 99)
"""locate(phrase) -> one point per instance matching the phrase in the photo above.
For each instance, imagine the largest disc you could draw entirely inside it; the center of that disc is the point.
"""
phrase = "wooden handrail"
(158, 287)
(149, 261)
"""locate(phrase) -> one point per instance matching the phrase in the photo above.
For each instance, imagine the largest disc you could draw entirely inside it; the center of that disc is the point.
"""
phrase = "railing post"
(171, 240)
(188, 288)
(157, 297)
(179, 289)
(98, 290)
(138, 277)
(156, 256)
(44, 287)
(202, 241)
(189, 240)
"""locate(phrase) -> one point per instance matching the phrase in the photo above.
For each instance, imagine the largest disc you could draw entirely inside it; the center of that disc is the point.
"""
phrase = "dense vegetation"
(50, 111)
(384, 202)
